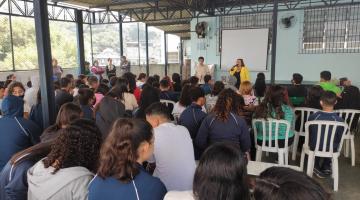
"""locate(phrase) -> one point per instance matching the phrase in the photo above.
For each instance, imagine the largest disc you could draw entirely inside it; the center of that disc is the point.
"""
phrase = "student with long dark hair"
(260, 85)
(184, 100)
(274, 106)
(109, 110)
(149, 95)
(127, 98)
(176, 80)
(221, 174)
(120, 172)
(225, 123)
(67, 114)
(281, 183)
(212, 98)
(141, 80)
(66, 171)
(312, 99)
(132, 85)
(87, 100)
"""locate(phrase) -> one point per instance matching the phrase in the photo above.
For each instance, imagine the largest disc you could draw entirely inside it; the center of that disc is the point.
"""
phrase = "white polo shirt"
(174, 157)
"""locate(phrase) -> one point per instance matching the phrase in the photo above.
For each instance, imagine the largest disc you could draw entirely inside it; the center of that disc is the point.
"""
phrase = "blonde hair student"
(247, 93)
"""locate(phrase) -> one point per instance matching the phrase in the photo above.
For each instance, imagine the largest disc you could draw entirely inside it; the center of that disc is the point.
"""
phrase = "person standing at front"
(201, 70)
(240, 71)
(110, 68)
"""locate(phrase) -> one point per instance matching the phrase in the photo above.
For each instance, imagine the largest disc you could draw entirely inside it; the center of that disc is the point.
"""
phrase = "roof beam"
(178, 31)
(124, 2)
(177, 22)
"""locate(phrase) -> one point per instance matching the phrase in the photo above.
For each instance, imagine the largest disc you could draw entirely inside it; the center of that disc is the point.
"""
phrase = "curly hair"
(119, 153)
(13, 85)
(274, 99)
(76, 145)
(228, 101)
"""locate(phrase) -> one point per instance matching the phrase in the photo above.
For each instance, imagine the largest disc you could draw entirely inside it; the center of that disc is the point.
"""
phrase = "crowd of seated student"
(13, 178)
(168, 149)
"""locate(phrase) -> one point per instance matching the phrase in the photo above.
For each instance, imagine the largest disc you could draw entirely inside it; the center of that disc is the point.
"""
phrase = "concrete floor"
(349, 177)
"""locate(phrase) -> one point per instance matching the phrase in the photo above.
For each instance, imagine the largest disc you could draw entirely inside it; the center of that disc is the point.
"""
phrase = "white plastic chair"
(167, 102)
(303, 117)
(329, 129)
(267, 132)
(349, 138)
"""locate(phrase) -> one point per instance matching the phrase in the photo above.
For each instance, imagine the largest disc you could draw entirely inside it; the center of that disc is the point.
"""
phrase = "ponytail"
(118, 155)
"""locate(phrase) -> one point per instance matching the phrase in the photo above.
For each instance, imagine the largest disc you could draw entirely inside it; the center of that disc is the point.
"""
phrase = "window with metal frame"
(331, 30)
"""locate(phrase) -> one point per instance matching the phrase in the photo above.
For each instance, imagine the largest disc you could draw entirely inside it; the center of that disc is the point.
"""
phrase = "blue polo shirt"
(192, 118)
(147, 187)
(206, 88)
(213, 130)
(87, 111)
(325, 116)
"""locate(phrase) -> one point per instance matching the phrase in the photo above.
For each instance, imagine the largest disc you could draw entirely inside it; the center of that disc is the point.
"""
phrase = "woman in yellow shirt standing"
(240, 71)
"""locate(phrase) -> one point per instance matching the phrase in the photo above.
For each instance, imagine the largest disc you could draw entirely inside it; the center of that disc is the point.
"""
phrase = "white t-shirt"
(30, 96)
(129, 101)
(174, 157)
(201, 71)
(175, 195)
(139, 84)
(178, 108)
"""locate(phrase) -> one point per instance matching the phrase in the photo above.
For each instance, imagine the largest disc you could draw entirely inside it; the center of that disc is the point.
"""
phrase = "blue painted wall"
(288, 60)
